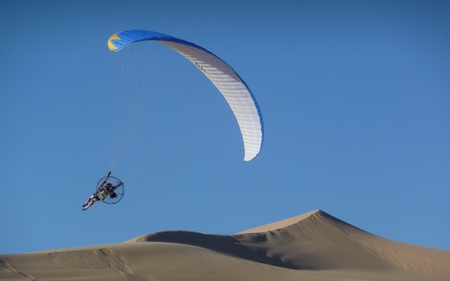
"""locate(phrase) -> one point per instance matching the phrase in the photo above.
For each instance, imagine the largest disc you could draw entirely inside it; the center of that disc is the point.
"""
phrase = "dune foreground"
(313, 246)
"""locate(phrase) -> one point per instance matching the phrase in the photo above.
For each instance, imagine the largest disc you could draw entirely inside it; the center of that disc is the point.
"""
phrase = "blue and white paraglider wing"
(233, 88)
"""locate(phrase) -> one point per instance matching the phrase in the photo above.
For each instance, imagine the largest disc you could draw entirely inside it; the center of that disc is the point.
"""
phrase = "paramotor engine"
(117, 193)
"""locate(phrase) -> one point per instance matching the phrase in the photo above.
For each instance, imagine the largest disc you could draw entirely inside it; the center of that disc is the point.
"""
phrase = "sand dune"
(313, 246)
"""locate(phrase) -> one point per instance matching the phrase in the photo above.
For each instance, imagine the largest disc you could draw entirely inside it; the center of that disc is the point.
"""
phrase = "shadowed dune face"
(318, 241)
(313, 241)
(313, 246)
(228, 245)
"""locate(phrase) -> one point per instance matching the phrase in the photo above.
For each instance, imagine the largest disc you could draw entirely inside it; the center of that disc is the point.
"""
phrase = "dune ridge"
(313, 241)
(312, 246)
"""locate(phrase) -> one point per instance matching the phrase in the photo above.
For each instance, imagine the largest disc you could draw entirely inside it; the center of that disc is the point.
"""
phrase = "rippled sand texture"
(312, 246)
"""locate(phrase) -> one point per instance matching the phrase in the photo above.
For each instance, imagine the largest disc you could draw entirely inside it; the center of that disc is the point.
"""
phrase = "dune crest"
(312, 246)
(283, 223)
(313, 241)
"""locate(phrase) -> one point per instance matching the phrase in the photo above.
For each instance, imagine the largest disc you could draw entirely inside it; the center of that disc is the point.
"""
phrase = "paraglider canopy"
(228, 82)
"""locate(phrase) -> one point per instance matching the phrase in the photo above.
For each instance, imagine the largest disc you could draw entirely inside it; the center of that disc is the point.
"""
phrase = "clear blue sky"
(355, 97)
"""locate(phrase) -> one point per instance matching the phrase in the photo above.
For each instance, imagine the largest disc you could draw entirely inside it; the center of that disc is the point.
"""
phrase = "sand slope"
(313, 246)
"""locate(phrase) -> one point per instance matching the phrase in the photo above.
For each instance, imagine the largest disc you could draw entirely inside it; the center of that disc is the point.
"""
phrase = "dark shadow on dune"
(224, 244)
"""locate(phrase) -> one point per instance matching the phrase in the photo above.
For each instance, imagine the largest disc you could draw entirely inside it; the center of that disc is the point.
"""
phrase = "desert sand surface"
(312, 246)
